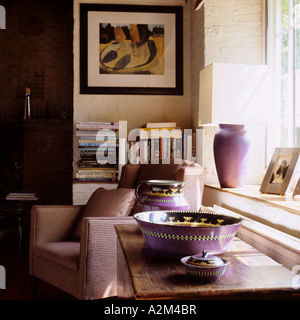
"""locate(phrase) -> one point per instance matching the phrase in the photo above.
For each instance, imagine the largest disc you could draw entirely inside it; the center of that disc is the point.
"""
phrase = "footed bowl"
(183, 233)
(205, 267)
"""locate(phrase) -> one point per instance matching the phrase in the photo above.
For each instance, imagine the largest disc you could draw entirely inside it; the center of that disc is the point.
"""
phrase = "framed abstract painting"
(131, 49)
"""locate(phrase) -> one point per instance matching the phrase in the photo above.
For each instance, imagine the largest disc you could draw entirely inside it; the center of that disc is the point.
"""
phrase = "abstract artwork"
(131, 49)
(127, 49)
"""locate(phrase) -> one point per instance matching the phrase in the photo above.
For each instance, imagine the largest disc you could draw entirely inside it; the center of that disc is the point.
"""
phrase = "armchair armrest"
(51, 223)
(98, 256)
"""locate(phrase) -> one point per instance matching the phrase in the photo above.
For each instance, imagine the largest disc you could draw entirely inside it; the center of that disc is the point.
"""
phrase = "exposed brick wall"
(230, 31)
(234, 31)
(36, 50)
(47, 161)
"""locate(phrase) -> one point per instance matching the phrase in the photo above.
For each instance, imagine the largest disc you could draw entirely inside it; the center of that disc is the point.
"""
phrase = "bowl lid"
(205, 260)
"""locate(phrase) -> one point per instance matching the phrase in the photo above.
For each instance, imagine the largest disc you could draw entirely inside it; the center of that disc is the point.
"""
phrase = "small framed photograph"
(280, 170)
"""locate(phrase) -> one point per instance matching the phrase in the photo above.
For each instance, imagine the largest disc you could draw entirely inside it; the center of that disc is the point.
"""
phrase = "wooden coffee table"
(144, 274)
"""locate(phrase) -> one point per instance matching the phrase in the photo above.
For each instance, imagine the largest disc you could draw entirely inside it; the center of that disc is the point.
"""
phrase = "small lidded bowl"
(204, 266)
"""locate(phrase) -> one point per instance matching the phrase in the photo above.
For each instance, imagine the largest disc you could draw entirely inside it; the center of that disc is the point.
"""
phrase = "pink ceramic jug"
(163, 195)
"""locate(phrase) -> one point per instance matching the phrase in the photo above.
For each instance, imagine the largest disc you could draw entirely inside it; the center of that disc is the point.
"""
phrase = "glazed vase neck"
(232, 126)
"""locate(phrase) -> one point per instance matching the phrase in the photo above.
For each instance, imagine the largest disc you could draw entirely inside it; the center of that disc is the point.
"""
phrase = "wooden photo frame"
(280, 170)
(131, 49)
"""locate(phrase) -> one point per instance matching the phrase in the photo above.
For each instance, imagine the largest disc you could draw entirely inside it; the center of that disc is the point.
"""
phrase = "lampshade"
(234, 94)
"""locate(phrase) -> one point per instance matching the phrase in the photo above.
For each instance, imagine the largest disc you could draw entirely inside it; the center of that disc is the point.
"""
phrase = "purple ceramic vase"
(163, 195)
(231, 146)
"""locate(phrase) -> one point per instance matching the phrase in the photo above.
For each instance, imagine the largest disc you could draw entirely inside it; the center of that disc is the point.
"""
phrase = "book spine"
(95, 175)
(97, 144)
(95, 179)
(161, 125)
(107, 177)
(22, 198)
(99, 141)
(98, 122)
(97, 127)
(97, 170)
(94, 133)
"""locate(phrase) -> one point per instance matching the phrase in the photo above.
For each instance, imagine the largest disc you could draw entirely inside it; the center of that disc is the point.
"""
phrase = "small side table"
(21, 210)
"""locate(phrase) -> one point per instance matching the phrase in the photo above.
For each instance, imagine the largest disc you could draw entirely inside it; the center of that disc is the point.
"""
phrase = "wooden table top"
(250, 273)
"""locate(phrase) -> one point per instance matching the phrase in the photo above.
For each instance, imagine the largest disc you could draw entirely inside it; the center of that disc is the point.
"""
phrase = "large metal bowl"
(182, 233)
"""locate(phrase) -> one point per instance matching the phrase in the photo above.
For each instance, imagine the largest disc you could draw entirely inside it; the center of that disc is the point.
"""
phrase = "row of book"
(152, 143)
(158, 142)
(98, 144)
(23, 196)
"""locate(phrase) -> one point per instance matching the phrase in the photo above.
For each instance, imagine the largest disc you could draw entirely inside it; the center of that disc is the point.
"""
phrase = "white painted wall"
(135, 109)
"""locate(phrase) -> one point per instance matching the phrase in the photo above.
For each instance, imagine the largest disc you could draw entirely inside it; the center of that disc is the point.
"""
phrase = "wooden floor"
(18, 282)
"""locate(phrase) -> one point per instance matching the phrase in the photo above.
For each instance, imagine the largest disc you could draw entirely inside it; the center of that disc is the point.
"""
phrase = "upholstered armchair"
(73, 247)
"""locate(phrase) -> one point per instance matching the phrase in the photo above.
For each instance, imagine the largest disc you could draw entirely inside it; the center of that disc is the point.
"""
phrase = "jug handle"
(137, 188)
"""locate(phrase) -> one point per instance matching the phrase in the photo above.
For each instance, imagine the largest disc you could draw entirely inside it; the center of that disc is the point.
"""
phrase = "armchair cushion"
(107, 203)
(65, 254)
(160, 172)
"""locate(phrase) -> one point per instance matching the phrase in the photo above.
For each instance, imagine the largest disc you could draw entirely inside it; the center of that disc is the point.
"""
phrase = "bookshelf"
(37, 157)
(98, 150)
(98, 163)
(152, 143)
(160, 142)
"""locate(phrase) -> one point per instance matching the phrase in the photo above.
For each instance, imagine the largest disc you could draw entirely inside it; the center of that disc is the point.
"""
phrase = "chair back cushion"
(157, 172)
(107, 203)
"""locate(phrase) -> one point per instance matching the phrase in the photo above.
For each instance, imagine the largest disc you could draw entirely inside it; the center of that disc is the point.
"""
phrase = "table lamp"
(232, 96)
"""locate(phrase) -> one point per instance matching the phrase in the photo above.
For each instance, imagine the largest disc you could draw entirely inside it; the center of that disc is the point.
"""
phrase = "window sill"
(279, 212)
(267, 218)
(252, 192)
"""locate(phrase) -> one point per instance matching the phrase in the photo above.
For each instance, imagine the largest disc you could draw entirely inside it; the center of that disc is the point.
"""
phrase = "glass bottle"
(27, 103)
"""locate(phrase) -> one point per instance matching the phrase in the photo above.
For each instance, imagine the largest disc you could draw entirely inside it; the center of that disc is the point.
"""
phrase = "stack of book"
(160, 141)
(29, 196)
(98, 144)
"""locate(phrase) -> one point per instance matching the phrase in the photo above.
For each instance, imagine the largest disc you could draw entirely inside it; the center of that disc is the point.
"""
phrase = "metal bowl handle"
(137, 188)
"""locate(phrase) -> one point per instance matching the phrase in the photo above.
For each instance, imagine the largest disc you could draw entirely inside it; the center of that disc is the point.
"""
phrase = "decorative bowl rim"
(184, 259)
(163, 182)
(239, 221)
